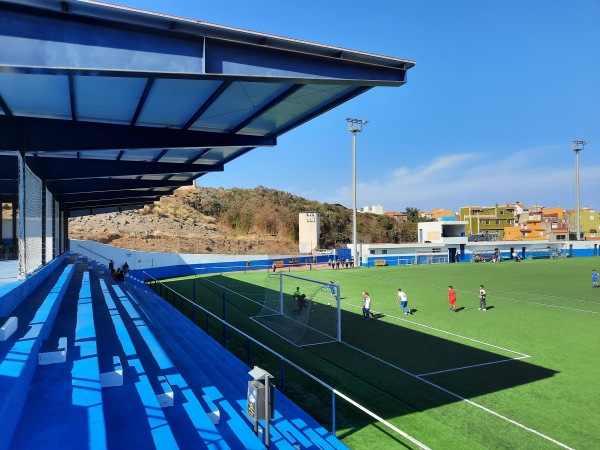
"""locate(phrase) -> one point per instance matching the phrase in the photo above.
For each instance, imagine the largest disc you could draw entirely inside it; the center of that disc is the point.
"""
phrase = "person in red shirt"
(452, 299)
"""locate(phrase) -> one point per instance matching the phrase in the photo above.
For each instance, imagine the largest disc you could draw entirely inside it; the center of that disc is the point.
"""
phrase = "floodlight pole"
(577, 147)
(354, 126)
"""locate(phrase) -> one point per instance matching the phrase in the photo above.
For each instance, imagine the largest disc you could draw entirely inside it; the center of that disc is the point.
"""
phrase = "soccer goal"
(539, 253)
(428, 257)
(300, 310)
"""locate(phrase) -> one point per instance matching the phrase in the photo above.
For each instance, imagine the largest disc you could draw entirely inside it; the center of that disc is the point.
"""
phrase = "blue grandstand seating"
(233, 427)
(87, 391)
(206, 429)
(158, 350)
(162, 434)
(19, 354)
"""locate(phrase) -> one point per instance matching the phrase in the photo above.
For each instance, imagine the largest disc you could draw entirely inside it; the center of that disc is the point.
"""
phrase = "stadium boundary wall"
(169, 265)
(405, 254)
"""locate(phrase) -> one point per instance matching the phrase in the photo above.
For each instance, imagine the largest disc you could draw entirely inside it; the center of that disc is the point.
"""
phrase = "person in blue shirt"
(594, 278)
(332, 287)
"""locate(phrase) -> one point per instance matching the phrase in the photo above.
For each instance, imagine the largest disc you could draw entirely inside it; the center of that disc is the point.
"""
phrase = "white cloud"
(541, 175)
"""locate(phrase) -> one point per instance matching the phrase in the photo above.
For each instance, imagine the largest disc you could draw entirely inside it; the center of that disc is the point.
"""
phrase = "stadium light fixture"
(354, 126)
(577, 147)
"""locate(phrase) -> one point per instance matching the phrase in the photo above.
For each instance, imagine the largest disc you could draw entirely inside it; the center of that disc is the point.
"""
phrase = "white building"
(445, 232)
(375, 209)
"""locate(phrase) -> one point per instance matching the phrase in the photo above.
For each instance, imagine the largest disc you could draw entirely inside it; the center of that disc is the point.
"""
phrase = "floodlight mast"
(577, 147)
(354, 126)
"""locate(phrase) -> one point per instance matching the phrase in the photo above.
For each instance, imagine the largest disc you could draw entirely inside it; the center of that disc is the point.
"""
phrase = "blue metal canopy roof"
(113, 107)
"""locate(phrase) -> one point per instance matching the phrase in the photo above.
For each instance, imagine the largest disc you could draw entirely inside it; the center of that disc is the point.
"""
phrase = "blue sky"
(500, 91)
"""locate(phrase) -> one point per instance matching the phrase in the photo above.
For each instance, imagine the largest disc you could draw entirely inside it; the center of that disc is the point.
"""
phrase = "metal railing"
(92, 251)
(334, 392)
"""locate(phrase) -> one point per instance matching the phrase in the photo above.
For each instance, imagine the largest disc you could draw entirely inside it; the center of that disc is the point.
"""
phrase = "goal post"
(301, 310)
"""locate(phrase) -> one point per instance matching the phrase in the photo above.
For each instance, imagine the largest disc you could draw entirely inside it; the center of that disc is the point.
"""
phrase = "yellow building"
(488, 220)
(532, 231)
(557, 211)
(513, 233)
(436, 214)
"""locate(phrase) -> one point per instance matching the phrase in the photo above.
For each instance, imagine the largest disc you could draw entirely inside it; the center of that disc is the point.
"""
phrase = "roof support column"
(44, 224)
(22, 253)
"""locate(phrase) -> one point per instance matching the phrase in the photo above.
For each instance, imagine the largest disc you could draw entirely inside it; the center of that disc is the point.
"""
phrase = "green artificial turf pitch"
(523, 374)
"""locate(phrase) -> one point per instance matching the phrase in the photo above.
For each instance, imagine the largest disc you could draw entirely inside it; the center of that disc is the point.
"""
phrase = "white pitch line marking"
(548, 306)
(477, 405)
(508, 298)
(472, 366)
(449, 333)
(558, 297)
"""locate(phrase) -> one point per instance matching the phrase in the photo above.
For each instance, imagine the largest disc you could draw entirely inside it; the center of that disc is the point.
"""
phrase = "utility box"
(256, 400)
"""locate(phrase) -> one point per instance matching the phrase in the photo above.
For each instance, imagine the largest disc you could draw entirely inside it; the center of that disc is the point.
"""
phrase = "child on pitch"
(594, 278)
(403, 300)
(296, 297)
(300, 300)
(452, 299)
(482, 294)
(366, 305)
(332, 287)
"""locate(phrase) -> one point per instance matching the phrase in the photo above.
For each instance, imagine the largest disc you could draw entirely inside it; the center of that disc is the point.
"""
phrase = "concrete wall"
(399, 254)
(164, 265)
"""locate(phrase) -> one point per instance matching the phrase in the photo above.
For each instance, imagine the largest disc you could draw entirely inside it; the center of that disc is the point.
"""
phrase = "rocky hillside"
(230, 221)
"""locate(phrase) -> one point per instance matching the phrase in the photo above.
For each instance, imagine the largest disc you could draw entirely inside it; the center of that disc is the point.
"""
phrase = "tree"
(407, 232)
(412, 214)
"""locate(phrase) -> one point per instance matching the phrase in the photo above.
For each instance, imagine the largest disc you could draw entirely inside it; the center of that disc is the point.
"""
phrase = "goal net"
(539, 253)
(300, 310)
(431, 258)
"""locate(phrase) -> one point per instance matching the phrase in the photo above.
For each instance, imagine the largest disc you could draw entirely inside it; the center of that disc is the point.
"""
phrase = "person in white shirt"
(403, 300)
(366, 305)
(482, 295)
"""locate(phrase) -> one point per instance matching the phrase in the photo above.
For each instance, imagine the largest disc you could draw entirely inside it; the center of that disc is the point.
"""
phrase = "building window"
(560, 237)
(501, 212)
(372, 252)
(384, 252)
(487, 222)
(497, 221)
